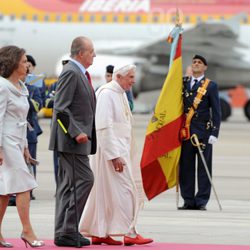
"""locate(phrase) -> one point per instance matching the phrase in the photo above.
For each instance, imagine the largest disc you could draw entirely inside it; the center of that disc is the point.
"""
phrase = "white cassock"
(114, 201)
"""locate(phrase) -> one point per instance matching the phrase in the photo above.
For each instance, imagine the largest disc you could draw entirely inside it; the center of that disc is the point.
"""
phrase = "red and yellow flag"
(162, 147)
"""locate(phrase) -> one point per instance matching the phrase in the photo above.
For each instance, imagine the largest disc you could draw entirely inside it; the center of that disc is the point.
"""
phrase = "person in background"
(49, 103)
(38, 81)
(74, 139)
(205, 123)
(108, 77)
(117, 194)
(15, 177)
(33, 129)
(189, 71)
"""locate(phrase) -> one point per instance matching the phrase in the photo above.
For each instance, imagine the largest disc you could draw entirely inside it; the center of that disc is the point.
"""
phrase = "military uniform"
(205, 122)
(34, 129)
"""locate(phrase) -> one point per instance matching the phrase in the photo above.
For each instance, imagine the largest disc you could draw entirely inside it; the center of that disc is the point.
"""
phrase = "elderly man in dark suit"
(74, 105)
(205, 123)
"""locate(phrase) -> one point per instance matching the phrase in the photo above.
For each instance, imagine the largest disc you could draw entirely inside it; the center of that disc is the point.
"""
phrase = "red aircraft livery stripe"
(220, 7)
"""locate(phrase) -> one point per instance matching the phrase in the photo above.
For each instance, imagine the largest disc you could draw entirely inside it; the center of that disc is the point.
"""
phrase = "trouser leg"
(187, 173)
(32, 149)
(204, 185)
(56, 160)
(65, 205)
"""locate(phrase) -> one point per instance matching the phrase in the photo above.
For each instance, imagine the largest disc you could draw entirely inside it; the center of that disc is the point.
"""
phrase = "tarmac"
(160, 219)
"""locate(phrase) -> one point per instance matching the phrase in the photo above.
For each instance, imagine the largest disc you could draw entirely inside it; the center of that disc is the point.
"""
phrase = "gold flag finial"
(177, 18)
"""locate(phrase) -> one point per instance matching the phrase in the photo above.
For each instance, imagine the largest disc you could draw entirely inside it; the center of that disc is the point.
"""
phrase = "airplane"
(134, 31)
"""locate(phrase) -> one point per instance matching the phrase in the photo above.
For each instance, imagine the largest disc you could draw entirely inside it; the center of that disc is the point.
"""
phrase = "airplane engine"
(247, 106)
(247, 109)
(226, 109)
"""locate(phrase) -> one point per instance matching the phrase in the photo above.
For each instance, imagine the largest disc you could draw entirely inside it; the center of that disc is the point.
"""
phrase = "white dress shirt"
(195, 80)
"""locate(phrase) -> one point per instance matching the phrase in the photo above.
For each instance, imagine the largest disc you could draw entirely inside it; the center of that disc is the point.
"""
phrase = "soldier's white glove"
(212, 139)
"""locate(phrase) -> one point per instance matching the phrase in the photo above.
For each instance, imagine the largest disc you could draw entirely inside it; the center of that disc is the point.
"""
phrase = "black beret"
(110, 69)
(31, 60)
(201, 58)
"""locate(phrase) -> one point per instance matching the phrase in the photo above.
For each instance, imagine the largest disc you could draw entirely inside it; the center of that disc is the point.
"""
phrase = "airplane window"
(155, 19)
(12, 17)
(187, 19)
(58, 18)
(104, 18)
(126, 19)
(80, 18)
(69, 18)
(245, 19)
(92, 18)
(115, 19)
(198, 19)
(138, 19)
(34, 17)
(46, 18)
(23, 17)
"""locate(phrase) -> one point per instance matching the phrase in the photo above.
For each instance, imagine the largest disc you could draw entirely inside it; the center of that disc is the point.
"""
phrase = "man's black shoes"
(84, 240)
(71, 241)
(12, 200)
(186, 207)
(201, 207)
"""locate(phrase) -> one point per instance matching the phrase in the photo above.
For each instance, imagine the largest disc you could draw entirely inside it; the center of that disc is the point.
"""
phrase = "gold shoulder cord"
(185, 131)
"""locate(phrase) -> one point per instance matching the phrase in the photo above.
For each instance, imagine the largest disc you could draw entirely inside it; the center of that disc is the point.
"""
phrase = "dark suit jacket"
(75, 98)
(207, 117)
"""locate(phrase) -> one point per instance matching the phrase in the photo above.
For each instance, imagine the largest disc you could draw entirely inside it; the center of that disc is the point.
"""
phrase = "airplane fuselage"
(45, 28)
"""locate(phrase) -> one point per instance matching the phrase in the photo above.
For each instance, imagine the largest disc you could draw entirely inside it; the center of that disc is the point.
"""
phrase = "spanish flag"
(162, 146)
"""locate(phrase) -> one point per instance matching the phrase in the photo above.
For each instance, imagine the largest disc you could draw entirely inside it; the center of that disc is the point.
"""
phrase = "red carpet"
(19, 244)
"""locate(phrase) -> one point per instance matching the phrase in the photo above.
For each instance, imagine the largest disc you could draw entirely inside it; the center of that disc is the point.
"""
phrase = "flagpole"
(177, 23)
(177, 187)
(160, 159)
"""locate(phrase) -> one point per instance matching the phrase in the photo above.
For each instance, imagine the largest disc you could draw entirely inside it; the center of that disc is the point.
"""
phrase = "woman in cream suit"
(14, 175)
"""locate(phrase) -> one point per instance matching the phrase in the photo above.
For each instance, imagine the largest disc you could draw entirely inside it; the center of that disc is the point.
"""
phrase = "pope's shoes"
(138, 240)
(108, 240)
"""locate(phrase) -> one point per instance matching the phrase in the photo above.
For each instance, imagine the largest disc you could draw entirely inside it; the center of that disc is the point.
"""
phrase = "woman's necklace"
(17, 85)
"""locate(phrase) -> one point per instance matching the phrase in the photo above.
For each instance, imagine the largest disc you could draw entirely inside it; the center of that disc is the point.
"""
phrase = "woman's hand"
(27, 155)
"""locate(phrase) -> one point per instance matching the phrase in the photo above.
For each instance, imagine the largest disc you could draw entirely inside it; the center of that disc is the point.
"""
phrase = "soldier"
(203, 117)
(36, 100)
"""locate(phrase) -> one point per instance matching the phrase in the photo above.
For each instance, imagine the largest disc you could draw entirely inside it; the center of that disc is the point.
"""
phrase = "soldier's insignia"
(154, 119)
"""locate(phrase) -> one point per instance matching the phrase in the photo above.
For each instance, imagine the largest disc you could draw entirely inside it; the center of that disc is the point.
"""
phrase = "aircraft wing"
(208, 39)
(217, 42)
